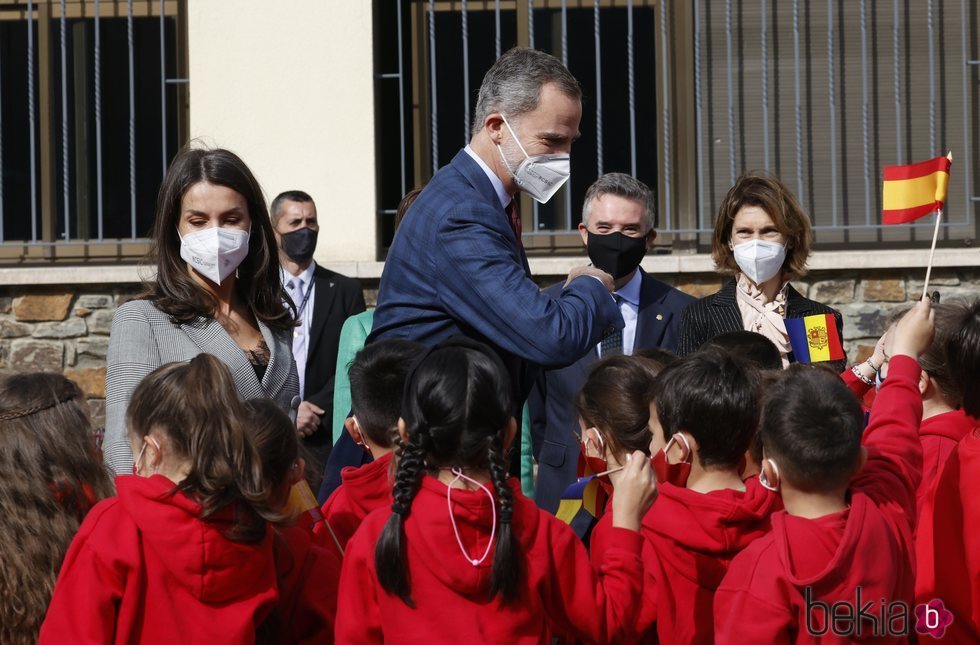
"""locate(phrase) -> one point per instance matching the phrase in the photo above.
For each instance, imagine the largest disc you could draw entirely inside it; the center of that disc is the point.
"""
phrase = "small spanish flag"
(915, 190)
(814, 338)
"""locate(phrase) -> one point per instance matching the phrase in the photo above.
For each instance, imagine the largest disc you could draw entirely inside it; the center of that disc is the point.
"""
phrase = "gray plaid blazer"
(143, 338)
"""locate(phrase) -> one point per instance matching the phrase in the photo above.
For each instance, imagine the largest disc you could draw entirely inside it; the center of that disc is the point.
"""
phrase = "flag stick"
(932, 252)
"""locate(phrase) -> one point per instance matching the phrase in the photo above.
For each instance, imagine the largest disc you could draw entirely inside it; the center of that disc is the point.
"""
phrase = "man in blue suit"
(618, 227)
(457, 264)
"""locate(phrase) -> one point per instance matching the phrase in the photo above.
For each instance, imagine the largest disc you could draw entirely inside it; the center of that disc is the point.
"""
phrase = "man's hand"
(607, 280)
(307, 419)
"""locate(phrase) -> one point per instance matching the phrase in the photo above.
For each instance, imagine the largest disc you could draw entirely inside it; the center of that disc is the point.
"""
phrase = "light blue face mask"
(879, 380)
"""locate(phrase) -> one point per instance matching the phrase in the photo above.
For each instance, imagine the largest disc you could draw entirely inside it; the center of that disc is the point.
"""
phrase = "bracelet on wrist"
(872, 366)
(864, 379)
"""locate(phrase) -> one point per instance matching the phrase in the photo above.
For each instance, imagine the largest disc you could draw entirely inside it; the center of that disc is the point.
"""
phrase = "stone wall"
(67, 329)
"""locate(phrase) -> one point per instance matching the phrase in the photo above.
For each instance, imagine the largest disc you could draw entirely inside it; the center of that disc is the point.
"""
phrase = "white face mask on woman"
(759, 260)
(215, 252)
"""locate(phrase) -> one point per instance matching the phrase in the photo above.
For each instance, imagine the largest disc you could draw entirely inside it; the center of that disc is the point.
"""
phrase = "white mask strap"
(493, 506)
(765, 480)
(676, 436)
(514, 134)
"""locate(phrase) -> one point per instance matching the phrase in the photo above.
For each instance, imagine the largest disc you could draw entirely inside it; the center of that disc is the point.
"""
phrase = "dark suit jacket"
(454, 268)
(554, 424)
(719, 314)
(335, 298)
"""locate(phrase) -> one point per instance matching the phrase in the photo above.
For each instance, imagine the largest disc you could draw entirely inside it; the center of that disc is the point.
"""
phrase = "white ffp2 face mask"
(759, 260)
(215, 252)
(539, 176)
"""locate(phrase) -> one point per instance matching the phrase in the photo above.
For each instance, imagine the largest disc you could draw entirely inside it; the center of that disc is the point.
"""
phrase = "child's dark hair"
(756, 349)
(456, 408)
(949, 317)
(659, 355)
(963, 358)
(811, 427)
(715, 398)
(52, 474)
(616, 400)
(274, 437)
(377, 381)
(196, 405)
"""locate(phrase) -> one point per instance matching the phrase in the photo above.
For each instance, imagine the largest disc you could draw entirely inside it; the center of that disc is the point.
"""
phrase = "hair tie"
(398, 509)
(505, 516)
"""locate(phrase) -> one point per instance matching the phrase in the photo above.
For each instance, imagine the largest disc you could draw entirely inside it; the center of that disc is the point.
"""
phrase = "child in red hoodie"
(837, 565)
(377, 378)
(308, 574)
(702, 417)
(462, 555)
(184, 552)
(949, 540)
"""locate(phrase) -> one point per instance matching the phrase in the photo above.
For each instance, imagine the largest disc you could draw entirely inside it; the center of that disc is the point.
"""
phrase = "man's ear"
(494, 125)
(651, 237)
(584, 232)
(509, 433)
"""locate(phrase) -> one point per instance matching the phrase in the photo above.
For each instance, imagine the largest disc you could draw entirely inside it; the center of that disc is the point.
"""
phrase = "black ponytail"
(389, 554)
(506, 565)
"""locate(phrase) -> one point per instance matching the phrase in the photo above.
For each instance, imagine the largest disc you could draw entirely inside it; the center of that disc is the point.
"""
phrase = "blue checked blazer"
(454, 268)
(143, 338)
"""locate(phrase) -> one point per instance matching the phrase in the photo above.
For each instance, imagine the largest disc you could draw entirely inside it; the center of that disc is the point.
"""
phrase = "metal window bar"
(698, 125)
(31, 118)
(832, 100)
(731, 91)
(163, 95)
(665, 77)
(598, 87)
(466, 73)
(496, 27)
(64, 118)
(864, 113)
(631, 85)
(1, 151)
(564, 61)
(98, 120)
(132, 119)
(764, 55)
(433, 107)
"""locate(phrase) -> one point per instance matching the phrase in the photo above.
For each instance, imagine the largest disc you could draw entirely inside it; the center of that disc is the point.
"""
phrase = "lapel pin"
(660, 316)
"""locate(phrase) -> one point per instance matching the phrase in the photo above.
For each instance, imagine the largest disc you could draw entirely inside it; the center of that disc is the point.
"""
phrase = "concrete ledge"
(546, 266)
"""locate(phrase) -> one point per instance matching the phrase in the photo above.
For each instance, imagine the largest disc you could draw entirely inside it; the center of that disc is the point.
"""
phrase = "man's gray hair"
(512, 86)
(622, 185)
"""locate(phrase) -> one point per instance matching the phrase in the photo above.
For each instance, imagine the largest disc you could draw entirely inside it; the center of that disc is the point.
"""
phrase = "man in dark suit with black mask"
(323, 300)
(618, 227)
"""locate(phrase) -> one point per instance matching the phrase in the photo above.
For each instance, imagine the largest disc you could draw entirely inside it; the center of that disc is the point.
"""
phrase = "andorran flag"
(814, 338)
(914, 190)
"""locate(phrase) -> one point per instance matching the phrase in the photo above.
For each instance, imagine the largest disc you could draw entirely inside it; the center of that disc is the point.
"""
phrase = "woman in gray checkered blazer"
(217, 290)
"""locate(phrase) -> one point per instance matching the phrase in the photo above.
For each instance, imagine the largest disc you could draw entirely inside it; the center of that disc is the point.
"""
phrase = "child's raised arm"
(894, 467)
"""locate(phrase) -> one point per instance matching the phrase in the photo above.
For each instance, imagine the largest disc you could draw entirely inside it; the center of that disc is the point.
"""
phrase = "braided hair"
(457, 406)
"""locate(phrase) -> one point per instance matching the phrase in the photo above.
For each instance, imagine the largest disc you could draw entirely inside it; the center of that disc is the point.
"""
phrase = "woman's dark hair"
(52, 475)
(949, 316)
(963, 357)
(174, 291)
(456, 407)
(196, 406)
(772, 196)
(714, 398)
(811, 427)
(616, 399)
(274, 437)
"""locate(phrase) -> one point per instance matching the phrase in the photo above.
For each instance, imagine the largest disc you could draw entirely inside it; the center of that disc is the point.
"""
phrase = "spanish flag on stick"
(915, 190)
(814, 339)
(909, 192)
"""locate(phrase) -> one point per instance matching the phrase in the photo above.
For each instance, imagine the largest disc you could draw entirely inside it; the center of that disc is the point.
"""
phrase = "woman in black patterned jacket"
(762, 239)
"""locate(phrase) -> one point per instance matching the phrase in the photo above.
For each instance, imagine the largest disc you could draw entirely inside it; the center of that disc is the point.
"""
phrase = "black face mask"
(615, 253)
(299, 244)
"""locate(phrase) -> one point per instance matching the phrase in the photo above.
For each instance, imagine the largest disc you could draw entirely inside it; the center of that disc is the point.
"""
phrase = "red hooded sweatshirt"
(949, 540)
(362, 490)
(558, 591)
(144, 568)
(781, 587)
(690, 539)
(308, 580)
